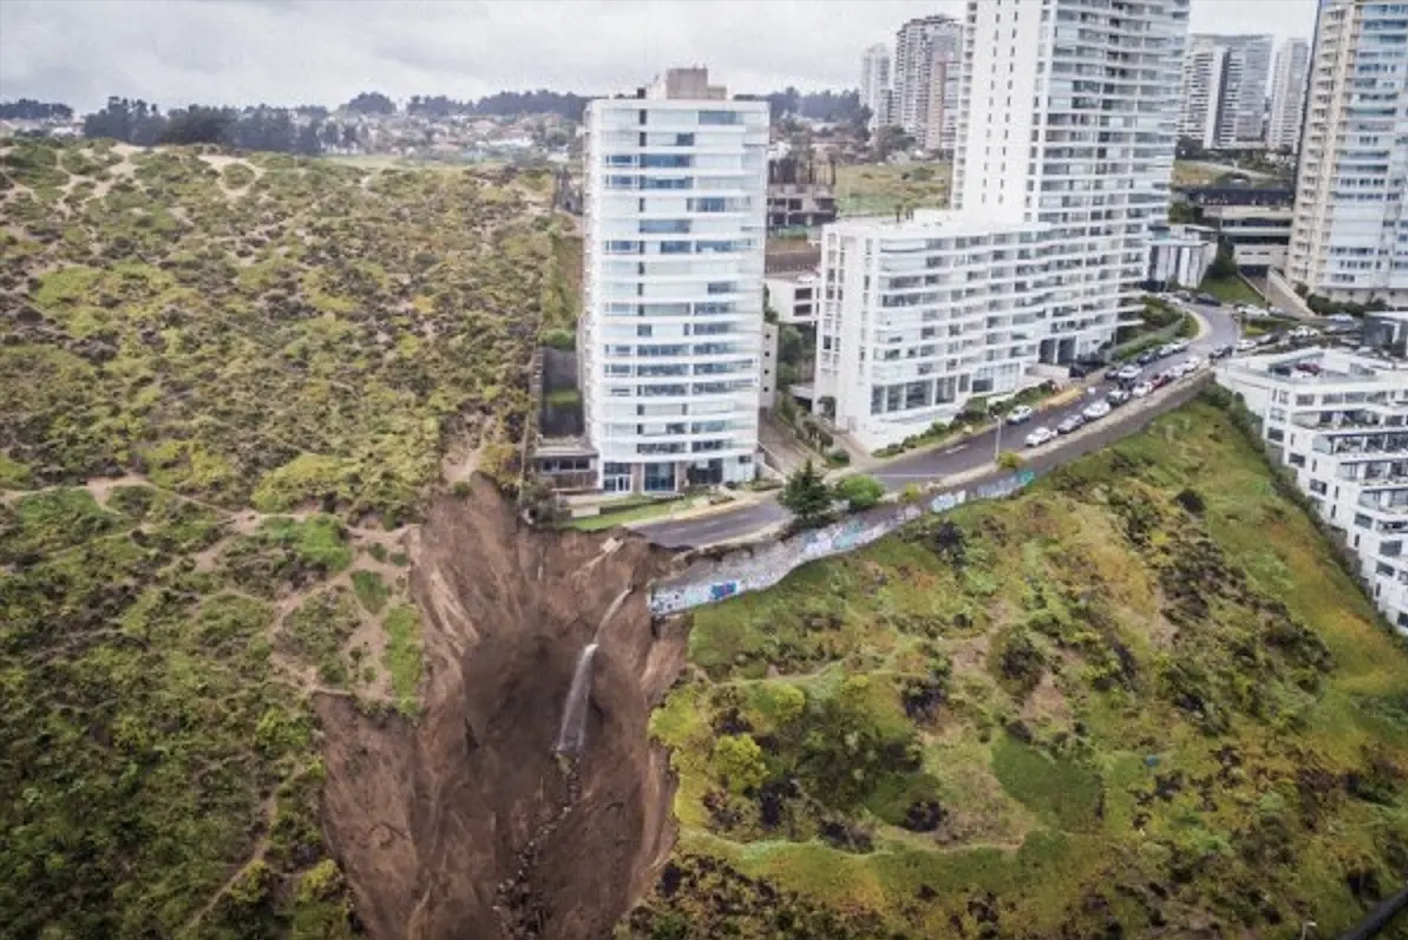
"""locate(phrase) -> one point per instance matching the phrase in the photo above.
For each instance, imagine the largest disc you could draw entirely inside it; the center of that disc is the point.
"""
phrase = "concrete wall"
(761, 567)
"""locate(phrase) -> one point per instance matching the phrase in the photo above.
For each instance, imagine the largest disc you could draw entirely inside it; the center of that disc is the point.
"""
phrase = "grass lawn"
(648, 509)
(870, 189)
(1231, 290)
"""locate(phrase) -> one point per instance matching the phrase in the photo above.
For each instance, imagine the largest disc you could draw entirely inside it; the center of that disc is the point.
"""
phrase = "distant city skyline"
(286, 52)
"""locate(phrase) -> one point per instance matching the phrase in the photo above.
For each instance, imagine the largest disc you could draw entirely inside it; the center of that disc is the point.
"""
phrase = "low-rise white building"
(1180, 254)
(1339, 420)
(921, 314)
(795, 297)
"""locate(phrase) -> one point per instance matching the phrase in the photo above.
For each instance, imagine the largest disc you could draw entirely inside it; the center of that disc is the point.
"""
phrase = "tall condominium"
(1288, 95)
(676, 190)
(1224, 89)
(875, 84)
(1204, 70)
(1069, 119)
(926, 79)
(1349, 238)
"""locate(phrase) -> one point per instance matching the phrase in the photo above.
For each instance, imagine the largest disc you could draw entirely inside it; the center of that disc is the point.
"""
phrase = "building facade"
(927, 76)
(1180, 255)
(1339, 421)
(875, 85)
(1288, 95)
(1204, 70)
(1350, 236)
(1224, 81)
(1069, 120)
(671, 333)
(921, 314)
(795, 297)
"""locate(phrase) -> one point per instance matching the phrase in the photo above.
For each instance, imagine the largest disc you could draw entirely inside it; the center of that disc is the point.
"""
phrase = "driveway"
(973, 454)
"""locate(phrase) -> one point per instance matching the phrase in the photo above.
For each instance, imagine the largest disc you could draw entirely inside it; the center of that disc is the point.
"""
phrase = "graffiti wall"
(760, 567)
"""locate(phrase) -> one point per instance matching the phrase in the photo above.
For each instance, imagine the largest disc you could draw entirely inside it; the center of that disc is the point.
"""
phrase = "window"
(1296, 460)
(666, 160)
(717, 117)
(1363, 521)
(1317, 486)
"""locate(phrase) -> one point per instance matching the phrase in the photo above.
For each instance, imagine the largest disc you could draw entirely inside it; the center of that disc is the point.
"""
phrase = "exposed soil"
(466, 824)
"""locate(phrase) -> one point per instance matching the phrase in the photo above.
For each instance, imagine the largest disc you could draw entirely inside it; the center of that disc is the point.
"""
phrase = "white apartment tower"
(1069, 119)
(1224, 89)
(1349, 238)
(926, 79)
(875, 85)
(1288, 95)
(1204, 69)
(671, 335)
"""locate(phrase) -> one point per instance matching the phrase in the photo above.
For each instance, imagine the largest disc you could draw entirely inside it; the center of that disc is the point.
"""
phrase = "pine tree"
(807, 496)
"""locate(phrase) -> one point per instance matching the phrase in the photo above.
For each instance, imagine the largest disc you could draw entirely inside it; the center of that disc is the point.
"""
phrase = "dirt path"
(261, 847)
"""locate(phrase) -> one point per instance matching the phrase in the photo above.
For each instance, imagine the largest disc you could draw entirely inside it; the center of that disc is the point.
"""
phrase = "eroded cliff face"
(466, 824)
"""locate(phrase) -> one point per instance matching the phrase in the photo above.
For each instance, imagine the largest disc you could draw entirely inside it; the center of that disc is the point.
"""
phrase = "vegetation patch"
(1140, 696)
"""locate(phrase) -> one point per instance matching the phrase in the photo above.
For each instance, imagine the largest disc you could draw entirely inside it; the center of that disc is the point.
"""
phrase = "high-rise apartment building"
(1349, 237)
(926, 79)
(1204, 70)
(1288, 95)
(1069, 118)
(1224, 90)
(671, 335)
(875, 85)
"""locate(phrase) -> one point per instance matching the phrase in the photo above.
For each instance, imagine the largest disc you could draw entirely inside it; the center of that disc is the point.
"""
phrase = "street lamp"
(997, 444)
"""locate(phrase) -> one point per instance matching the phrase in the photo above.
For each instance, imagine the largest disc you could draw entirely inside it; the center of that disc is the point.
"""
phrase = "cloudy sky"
(175, 52)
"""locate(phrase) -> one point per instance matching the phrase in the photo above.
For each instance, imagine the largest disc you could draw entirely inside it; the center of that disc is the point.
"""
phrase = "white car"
(1304, 332)
(1193, 364)
(1246, 345)
(1019, 414)
(1179, 345)
(1128, 373)
(1142, 389)
(1040, 436)
(1096, 411)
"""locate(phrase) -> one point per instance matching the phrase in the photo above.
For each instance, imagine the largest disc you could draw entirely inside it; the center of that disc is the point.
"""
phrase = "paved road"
(973, 454)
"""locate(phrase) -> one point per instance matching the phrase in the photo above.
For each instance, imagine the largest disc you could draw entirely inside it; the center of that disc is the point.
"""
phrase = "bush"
(860, 491)
(560, 339)
(739, 762)
(1009, 460)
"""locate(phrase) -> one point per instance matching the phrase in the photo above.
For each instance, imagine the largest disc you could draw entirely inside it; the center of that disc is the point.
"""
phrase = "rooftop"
(1325, 366)
(930, 222)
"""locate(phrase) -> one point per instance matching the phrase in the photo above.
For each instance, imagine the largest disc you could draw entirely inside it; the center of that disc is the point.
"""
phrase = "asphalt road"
(972, 454)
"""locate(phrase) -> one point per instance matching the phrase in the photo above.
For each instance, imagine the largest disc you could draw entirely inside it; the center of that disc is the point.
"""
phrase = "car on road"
(1208, 300)
(1147, 357)
(1096, 411)
(1179, 345)
(1072, 423)
(1304, 332)
(1019, 414)
(1117, 397)
(1142, 389)
(1193, 364)
(1221, 352)
(1341, 318)
(1083, 367)
(1246, 345)
(1040, 436)
(1128, 373)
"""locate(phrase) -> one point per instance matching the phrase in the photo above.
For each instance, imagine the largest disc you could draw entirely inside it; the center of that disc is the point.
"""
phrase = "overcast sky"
(175, 52)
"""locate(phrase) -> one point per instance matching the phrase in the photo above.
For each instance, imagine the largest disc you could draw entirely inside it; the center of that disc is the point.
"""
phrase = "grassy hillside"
(225, 385)
(870, 189)
(1140, 699)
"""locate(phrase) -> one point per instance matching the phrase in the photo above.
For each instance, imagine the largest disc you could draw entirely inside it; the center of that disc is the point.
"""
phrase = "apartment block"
(921, 314)
(795, 297)
(671, 334)
(1339, 421)
(1180, 254)
(1224, 82)
(927, 76)
(1069, 120)
(875, 85)
(1288, 95)
(1350, 237)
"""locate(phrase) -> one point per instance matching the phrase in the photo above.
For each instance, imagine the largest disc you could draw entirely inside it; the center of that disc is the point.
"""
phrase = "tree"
(807, 497)
(860, 491)
(739, 761)
(1225, 264)
(372, 102)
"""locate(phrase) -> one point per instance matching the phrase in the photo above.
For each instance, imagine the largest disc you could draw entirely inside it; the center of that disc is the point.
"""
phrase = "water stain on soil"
(466, 824)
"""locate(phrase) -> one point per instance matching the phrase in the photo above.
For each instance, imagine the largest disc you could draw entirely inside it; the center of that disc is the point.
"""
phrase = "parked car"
(1147, 357)
(1313, 368)
(1117, 397)
(1246, 345)
(1096, 411)
(1142, 389)
(1304, 332)
(1221, 352)
(1128, 373)
(1083, 367)
(1209, 300)
(1179, 345)
(1072, 423)
(1019, 414)
(1341, 318)
(1040, 436)
(1192, 364)
(1160, 379)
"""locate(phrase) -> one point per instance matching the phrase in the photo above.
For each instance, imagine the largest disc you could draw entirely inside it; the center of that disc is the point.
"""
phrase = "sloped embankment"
(466, 824)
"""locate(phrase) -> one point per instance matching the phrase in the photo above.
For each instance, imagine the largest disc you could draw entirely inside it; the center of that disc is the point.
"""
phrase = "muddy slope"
(467, 825)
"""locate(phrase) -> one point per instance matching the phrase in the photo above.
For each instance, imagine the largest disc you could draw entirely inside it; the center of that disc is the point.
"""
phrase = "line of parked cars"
(1130, 387)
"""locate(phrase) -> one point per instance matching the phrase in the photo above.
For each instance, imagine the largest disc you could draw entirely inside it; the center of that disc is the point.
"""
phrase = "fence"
(758, 568)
